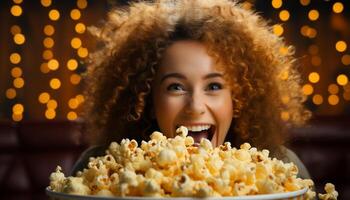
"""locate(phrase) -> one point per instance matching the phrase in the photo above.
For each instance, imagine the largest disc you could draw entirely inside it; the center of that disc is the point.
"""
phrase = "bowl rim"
(284, 195)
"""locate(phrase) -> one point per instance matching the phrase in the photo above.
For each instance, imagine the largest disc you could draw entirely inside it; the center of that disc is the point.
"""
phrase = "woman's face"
(190, 90)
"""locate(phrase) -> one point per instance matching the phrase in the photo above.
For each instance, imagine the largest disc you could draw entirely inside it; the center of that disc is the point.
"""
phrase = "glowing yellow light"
(75, 79)
(316, 60)
(342, 79)
(80, 98)
(75, 14)
(346, 96)
(17, 109)
(333, 99)
(49, 30)
(333, 89)
(313, 49)
(54, 15)
(317, 99)
(50, 113)
(15, 58)
(285, 99)
(284, 50)
(44, 68)
(340, 46)
(80, 28)
(72, 116)
(311, 33)
(75, 43)
(285, 116)
(55, 83)
(16, 72)
(17, 1)
(284, 75)
(19, 38)
(304, 2)
(284, 15)
(16, 10)
(18, 82)
(308, 89)
(82, 4)
(313, 15)
(276, 3)
(304, 30)
(73, 103)
(15, 29)
(345, 59)
(278, 29)
(72, 64)
(83, 52)
(52, 104)
(338, 7)
(11, 93)
(17, 118)
(46, 3)
(53, 64)
(44, 97)
(48, 42)
(314, 77)
(47, 54)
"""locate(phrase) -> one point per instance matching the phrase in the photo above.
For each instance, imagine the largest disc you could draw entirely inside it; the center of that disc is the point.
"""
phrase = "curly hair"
(259, 66)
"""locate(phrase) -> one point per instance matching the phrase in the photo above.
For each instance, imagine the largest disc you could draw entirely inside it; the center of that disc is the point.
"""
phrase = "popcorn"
(174, 167)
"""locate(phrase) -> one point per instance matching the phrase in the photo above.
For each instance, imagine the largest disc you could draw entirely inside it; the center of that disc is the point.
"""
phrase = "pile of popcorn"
(175, 167)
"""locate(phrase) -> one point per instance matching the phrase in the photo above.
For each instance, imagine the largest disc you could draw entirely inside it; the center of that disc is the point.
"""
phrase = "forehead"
(187, 55)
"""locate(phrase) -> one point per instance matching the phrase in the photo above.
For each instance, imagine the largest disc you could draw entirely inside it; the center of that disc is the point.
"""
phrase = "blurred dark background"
(44, 44)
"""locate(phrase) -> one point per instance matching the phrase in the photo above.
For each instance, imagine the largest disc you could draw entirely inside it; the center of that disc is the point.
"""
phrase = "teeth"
(198, 128)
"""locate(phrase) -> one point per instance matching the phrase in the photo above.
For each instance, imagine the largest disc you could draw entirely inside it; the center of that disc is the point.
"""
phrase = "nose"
(195, 104)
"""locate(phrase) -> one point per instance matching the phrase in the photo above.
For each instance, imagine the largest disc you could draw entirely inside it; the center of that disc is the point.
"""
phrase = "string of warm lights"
(82, 52)
(15, 59)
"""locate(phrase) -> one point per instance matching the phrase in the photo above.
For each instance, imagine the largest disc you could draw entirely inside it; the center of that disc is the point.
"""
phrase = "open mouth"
(199, 133)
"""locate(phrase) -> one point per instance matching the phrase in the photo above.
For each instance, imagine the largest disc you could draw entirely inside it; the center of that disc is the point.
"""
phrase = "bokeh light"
(333, 99)
(75, 79)
(75, 14)
(52, 104)
(11, 93)
(48, 42)
(317, 99)
(50, 113)
(338, 7)
(307, 89)
(73, 103)
(44, 97)
(341, 46)
(54, 15)
(278, 29)
(345, 59)
(83, 52)
(15, 29)
(47, 54)
(17, 118)
(15, 58)
(82, 4)
(55, 83)
(18, 109)
(72, 115)
(285, 116)
(276, 3)
(45, 3)
(16, 10)
(18, 82)
(304, 2)
(72, 64)
(44, 68)
(342, 79)
(19, 38)
(314, 77)
(313, 15)
(16, 72)
(17, 1)
(49, 30)
(75, 43)
(53, 64)
(284, 15)
(333, 89)
(80, 28)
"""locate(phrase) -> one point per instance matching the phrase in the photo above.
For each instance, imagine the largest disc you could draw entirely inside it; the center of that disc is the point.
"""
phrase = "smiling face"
(190, 90)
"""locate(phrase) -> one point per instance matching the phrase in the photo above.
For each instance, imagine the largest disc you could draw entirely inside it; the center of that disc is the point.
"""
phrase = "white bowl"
(286, 195)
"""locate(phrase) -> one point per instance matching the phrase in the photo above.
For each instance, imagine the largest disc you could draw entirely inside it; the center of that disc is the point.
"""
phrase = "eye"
(175, 87)
(214, 86)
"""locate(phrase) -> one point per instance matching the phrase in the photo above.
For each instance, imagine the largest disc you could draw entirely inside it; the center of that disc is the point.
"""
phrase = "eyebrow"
(180, 76)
